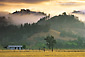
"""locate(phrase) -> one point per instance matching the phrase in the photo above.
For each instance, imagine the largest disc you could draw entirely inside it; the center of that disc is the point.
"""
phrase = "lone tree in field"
(50, 42)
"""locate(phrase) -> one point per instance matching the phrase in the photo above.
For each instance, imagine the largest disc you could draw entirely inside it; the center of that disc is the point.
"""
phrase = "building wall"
(14, 48)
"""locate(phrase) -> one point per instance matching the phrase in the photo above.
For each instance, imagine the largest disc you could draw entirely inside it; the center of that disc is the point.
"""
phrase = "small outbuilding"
(14, 47)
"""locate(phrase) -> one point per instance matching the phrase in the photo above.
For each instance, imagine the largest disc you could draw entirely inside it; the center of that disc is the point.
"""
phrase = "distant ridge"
(27, 11)
(79, 12)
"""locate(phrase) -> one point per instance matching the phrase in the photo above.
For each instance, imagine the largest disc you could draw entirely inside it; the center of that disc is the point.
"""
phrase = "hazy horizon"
(52, 7)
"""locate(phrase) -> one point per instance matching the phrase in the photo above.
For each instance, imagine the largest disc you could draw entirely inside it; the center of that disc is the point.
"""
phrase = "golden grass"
(37, 53)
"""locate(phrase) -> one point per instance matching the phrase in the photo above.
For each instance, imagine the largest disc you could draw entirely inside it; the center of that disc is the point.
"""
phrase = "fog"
(18, 19)
(80, 15)
(21, 19)
(4, 13)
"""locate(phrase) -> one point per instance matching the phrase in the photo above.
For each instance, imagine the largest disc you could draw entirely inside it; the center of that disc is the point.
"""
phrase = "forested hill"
(27, 11)
(64, 27)
(64, 22)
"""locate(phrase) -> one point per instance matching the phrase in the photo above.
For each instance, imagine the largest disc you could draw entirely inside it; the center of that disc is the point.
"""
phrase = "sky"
(49, 6)
(52, 7)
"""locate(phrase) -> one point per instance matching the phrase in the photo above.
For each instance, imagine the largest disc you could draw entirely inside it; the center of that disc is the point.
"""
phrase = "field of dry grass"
(37, 53)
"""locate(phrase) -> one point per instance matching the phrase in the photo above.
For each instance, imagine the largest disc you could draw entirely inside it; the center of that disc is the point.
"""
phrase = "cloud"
(80, 14)
(2, 4)
(3, 13)
(77, 3)
(22, 17)
(68, 3)
(23, 1)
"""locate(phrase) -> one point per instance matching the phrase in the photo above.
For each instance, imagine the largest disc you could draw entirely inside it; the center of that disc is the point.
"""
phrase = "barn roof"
(14, 45)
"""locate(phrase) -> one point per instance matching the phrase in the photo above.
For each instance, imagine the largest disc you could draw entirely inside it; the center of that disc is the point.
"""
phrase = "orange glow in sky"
(52, 7)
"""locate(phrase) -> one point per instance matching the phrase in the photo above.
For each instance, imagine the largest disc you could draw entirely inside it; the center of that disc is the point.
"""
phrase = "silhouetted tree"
(50, 41)
(64, 13)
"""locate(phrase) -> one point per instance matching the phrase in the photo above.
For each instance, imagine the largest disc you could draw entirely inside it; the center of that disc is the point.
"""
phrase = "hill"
(66, 29)
(64, 22)
(27, 11)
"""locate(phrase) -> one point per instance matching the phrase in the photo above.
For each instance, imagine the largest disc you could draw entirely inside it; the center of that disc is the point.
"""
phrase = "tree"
(64, 13)
(24, 46)
(50, 42)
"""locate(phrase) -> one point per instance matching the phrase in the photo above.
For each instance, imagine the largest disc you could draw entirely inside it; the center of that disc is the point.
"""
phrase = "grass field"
(37, 53)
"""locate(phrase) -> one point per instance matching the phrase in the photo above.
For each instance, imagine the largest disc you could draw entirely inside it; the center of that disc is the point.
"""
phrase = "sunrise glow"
(53, 7)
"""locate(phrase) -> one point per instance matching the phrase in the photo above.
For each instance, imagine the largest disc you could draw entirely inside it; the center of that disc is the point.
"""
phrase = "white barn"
(14, 47)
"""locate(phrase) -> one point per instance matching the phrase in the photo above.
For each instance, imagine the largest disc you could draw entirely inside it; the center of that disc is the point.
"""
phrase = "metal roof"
(14, 45)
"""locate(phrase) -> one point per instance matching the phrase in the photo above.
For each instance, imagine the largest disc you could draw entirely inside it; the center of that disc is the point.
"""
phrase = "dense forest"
(66, 29)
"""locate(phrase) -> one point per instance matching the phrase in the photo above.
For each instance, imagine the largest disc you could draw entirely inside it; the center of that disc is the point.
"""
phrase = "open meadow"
(41, 53)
